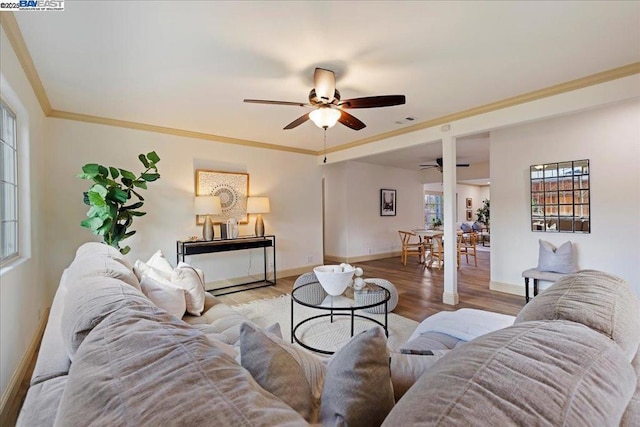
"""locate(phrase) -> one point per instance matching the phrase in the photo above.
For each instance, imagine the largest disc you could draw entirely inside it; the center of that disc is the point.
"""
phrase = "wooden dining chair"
(437, 251)
(410, 247)
(467, 247)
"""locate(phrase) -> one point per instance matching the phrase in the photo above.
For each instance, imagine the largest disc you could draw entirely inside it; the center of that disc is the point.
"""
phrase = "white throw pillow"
(140, 268)
(188, 278)
(164, 295)
(159, 262)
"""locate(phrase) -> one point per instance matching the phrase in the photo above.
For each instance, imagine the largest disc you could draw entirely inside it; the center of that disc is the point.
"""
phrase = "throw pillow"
(355, 388)
(556, 260)
(188, 279)
(465, 227)
(288, 372)
(159, 262)
(140, 269)
(164, 295)
(476, 226)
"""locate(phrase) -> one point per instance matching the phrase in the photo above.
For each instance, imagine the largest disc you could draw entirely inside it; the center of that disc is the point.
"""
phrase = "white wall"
(24, 295)
(291, 181)
(361, 230)
(610, 138)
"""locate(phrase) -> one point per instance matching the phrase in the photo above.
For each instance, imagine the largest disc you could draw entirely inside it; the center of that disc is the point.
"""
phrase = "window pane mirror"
(560, 197)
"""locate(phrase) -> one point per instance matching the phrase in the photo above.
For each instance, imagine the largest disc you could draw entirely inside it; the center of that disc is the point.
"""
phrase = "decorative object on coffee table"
(334, 278)
(258, 205)
(207, 206)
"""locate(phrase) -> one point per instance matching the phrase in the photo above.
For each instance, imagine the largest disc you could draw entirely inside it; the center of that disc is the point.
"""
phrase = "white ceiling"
(189, 64)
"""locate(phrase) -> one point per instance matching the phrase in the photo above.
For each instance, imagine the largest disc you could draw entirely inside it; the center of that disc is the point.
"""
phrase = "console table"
(196, 247)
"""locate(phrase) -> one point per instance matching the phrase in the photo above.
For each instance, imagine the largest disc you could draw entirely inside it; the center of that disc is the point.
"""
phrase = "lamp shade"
(258, 205)
(207, 205)
(325, 117)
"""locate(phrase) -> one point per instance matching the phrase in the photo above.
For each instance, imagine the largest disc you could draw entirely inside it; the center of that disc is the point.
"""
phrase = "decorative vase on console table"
(207, 206)
(258, 205)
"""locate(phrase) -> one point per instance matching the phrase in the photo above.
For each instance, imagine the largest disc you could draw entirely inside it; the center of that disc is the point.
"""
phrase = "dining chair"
(410, 247)
(437, 251)
(467, 247)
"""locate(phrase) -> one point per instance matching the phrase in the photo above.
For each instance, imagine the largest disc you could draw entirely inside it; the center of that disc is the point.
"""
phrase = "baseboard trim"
(371, 257)
(450, 299)
(234, 281)
(507, 288)
(12, 399)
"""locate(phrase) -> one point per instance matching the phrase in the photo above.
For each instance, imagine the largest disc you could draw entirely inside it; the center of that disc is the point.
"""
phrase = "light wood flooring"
(420, 289)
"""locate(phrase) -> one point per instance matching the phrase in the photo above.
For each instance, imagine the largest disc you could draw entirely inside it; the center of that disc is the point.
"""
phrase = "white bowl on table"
(334, 278)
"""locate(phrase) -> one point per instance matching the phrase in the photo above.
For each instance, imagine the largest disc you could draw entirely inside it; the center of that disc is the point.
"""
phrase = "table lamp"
(207, 206)
(258, 205)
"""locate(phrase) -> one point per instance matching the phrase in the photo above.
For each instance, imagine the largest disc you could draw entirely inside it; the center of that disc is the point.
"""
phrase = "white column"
(450, 295)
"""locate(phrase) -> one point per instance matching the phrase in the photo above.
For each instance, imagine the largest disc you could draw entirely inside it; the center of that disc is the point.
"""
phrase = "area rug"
(321, 333)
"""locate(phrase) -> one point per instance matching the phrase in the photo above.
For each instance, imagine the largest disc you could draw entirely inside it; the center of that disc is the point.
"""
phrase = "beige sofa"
(110, 357)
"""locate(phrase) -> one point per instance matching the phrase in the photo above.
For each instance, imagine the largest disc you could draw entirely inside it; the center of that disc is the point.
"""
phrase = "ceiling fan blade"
(325, 84)
(373, 101)
(297, 122)
(463, 165)
(263, 101)
(350, 121)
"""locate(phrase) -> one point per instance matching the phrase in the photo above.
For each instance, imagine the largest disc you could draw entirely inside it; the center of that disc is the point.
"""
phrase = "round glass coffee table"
(312, 295)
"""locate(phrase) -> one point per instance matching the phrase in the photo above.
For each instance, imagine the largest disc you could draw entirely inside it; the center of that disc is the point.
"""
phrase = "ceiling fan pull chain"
(325, 145)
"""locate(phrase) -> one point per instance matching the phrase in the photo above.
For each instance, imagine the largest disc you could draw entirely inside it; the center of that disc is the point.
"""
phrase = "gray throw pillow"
(355, 387)
(556, 260)
(286, 371)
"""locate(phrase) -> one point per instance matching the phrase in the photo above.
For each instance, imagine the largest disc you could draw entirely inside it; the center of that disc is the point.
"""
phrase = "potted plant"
(109, 214)
(483, 213)
(435, 223)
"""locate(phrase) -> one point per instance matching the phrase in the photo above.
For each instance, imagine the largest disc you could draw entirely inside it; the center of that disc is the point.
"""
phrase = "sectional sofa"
(109, 356)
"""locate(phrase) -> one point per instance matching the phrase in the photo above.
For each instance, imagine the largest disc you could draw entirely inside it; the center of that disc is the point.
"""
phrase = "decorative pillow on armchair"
(466, 227)
(556, 260)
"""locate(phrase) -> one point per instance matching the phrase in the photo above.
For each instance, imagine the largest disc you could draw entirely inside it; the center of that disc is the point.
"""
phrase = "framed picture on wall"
(469, 215)
(388, 202)
(231, 187)
(469, 203)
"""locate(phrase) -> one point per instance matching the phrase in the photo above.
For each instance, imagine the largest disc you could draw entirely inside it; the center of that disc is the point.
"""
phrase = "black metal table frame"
(340, 310)
(185, 248)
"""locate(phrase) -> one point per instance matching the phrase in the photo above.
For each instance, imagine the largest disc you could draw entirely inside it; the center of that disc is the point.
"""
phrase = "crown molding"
(12, 30)
(591, 80)
(67, 115)
(10, 25)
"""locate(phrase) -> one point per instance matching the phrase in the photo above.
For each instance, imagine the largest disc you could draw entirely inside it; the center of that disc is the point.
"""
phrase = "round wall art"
(232, 188)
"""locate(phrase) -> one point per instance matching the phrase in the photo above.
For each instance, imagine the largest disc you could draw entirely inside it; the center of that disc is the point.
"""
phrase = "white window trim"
(16, 165)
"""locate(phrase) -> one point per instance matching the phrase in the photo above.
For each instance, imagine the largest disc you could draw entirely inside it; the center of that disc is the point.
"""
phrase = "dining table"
(425, 235)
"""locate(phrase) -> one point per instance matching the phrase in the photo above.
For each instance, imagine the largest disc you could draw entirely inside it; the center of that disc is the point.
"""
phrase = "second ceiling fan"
(327, 106)
(438, 165)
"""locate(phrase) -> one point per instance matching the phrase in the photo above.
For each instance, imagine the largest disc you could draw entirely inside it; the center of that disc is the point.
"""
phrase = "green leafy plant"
(436, 222)
(109, 216)
(483, 213)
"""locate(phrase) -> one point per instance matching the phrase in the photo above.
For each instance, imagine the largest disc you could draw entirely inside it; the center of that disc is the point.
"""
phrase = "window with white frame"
(432, 209)
(8, 184)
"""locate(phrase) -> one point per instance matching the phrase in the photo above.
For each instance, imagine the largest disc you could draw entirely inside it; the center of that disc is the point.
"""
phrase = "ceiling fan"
(327, 106)
(438, 165)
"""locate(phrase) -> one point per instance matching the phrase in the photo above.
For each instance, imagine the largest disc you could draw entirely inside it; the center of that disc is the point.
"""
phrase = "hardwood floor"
(420, 289)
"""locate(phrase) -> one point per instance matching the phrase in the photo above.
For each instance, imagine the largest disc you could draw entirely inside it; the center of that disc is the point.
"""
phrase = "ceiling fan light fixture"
(325, 117)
